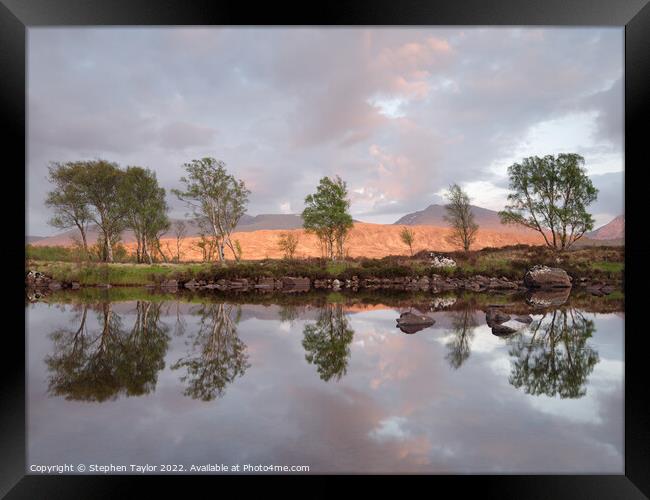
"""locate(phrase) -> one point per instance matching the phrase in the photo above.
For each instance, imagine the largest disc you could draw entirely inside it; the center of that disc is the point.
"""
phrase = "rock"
(546, 277)
(524, 319)
(237, 284)
(265, 284)
(409, 322)
(191, 284)
(320, 284)
(440, 261)
(336, 285)
(75, 285)
(502, 285)
(169, 284)
(290, 282)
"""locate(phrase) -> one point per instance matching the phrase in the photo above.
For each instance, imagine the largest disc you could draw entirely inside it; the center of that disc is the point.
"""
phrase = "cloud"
(181, 135)
(401, 113)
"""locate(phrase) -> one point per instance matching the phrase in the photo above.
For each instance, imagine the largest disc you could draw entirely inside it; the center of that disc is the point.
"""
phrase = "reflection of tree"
(100, 365)
(327, 342)
(463, 323)
(180, 325)
(556, 359)
(218, 355)
(289, 313)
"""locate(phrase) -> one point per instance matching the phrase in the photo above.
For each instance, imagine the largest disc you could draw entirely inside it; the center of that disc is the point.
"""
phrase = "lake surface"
(323, 381)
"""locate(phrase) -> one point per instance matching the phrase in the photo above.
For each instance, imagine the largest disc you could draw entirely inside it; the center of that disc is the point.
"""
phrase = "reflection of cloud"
(390, 428)
(432, 420)
(585, 410)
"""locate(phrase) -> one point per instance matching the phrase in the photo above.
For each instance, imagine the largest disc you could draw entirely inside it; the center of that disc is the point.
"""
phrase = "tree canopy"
(67, 199)
(145, 209)
(407, 236)
(551, 195)
(217, 200)
(460, 217)
(326, 215)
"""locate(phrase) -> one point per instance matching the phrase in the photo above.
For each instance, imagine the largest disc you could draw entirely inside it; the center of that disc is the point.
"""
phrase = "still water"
(324, 381)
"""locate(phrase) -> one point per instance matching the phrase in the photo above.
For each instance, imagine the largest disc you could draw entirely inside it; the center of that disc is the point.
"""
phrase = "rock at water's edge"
(546, 277)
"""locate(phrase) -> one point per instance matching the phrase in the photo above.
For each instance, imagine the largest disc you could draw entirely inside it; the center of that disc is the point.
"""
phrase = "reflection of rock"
(502, 323)
(502, 330)
(546, 277)
(409, 322)
(495, 317)
(442, 302)
(547, 298)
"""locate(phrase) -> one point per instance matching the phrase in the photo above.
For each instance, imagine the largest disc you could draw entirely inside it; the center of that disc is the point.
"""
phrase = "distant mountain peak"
(614, 229)
(434, 215)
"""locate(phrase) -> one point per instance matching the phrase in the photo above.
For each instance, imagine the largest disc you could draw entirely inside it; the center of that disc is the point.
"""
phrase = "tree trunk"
(108, 248)
(85, 242)
(146, 249)
(138, 257)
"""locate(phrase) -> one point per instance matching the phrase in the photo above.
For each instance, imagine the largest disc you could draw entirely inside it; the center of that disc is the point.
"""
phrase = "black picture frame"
(16, 16)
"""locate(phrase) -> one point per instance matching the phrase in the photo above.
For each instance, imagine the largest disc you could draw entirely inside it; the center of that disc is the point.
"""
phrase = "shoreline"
(598, 270)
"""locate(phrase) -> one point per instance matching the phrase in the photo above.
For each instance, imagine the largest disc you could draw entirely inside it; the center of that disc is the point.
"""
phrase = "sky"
(398, 113)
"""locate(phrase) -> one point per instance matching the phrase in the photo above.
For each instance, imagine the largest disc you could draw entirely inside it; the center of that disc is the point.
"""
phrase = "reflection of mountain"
(100, 365)
(217, 356)
(556, 358)
(327, 342)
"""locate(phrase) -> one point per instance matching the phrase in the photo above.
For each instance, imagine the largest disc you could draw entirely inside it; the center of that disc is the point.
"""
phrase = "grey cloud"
(292, 105)
(181, 135)
(610, 194)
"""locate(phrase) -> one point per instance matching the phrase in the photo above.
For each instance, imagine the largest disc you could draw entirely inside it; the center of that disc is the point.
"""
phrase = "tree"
(180, 230)
(407, 236)
(327, 342)
(238, 251)
(460, 217)
(207, 246)
(217, 199)
(67, 199)
(550, 195)
(288, 242)
(326, 215)
(145, 209)
(100, 183)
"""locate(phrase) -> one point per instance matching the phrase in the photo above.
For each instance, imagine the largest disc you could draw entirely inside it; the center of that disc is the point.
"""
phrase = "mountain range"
(432, 217)
(615, 229)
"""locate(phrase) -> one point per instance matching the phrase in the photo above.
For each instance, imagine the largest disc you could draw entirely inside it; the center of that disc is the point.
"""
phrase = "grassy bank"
(599, 263)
